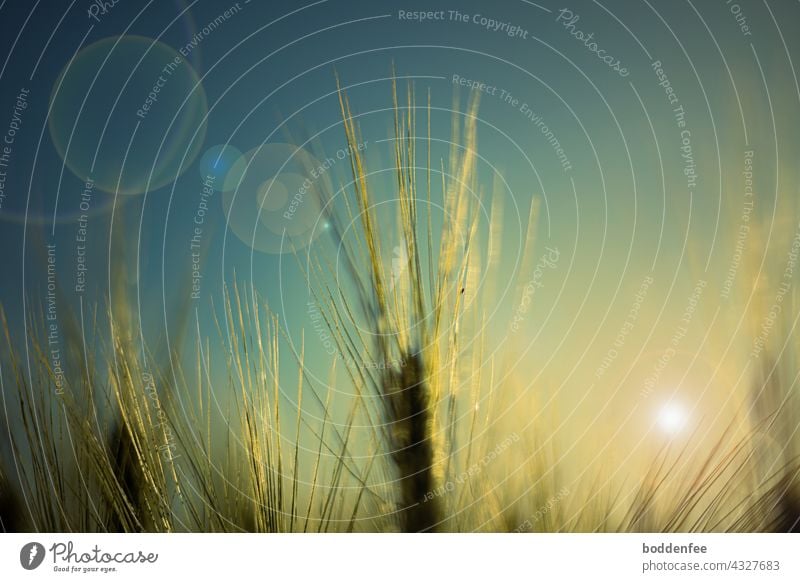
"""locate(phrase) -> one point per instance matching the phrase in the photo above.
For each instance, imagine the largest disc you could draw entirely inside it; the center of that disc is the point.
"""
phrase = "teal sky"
(639, 175)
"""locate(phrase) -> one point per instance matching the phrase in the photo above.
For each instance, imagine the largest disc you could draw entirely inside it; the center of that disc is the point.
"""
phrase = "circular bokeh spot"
(288, 211)
(217, 161)
(273, 196)
(129, 112)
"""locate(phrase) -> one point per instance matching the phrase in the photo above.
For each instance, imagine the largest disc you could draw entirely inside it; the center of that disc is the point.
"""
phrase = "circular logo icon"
(31, 555)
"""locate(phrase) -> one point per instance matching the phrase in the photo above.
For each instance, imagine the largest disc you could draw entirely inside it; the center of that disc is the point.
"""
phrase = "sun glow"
(672, 418)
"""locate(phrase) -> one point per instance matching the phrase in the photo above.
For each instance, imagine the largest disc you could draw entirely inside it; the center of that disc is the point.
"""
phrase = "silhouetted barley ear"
(775, 408)
(407, 398)
(788, 509)
(11, 518)
(413, 323)
(129, 475)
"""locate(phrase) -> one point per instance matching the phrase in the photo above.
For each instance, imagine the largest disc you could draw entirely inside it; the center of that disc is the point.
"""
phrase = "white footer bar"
(389, 557)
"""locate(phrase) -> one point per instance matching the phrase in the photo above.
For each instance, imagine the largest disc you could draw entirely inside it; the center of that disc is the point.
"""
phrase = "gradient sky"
(647, 210)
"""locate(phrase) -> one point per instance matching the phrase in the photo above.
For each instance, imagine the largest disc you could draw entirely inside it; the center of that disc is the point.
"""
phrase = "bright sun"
(672, 418)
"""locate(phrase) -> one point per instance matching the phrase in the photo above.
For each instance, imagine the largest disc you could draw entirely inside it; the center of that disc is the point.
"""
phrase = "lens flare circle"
(114, 104)
(273, 197)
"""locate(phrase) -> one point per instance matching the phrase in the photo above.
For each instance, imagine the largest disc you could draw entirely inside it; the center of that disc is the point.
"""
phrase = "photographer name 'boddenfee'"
(670, 548)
